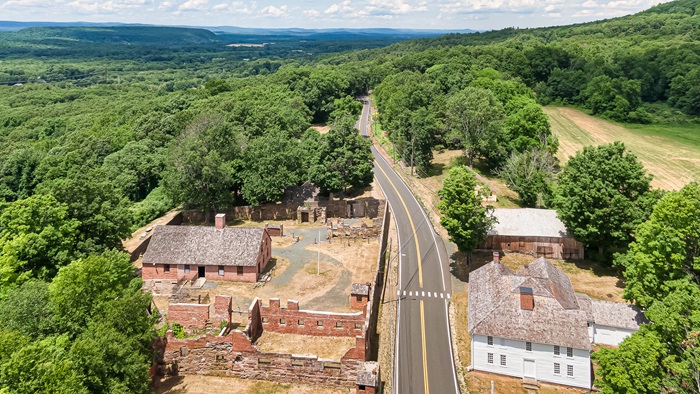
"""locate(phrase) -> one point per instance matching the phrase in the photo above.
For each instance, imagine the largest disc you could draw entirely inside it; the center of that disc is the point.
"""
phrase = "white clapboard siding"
(606, 335)
(543, 356)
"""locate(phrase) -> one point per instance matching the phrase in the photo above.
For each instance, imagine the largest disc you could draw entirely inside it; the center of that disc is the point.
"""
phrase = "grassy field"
(670, 153)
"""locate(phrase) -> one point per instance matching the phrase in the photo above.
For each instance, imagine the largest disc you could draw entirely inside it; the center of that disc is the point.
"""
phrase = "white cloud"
(312, 13)
(271, 10)
(193, 5)
(339, 8)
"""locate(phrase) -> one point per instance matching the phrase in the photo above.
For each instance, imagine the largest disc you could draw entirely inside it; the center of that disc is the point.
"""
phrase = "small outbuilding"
(537, 232)
(216, 253)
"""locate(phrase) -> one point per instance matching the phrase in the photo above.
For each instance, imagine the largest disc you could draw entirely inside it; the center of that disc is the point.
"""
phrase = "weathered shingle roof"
(202, 245)
(528, 222)
(359, 289)
(494, 305)
(615, 314)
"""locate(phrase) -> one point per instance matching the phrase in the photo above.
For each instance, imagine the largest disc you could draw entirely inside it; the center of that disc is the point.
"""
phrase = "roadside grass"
(200, 384)
(671, 153)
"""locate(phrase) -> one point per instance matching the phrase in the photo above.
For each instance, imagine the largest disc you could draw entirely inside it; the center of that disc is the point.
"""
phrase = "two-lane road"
(423, 353)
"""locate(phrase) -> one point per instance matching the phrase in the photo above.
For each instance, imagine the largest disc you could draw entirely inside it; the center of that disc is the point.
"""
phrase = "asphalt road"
(423, 351)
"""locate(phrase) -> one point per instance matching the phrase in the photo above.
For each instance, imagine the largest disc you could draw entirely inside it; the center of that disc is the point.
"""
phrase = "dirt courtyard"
(294, 272)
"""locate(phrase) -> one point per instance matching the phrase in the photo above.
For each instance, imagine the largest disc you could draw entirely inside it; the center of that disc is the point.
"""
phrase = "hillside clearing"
(672, 163)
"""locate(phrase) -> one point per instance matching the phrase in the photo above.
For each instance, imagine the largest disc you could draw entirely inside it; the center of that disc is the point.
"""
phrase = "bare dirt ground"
(196, 384)
(673, 165)
(138, 236)
(333, 348)
(323, 129)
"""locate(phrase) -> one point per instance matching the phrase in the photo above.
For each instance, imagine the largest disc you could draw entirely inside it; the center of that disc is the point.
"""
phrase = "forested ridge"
(104, 129)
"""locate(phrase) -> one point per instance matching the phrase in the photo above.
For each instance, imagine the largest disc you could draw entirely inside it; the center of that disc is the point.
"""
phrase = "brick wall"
(157, 271)
(189, 315)
(358, 302)
(361, 207)
(234, 355)
(222, 309)
(291, 320)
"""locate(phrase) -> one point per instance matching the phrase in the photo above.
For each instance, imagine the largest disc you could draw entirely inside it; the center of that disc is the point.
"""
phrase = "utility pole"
(413, 140)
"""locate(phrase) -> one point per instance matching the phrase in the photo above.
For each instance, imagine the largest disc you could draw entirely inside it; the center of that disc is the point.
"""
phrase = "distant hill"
(130, 35)
(10, 26)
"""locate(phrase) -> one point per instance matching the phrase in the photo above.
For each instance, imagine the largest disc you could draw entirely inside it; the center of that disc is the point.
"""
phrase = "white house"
(531, 324)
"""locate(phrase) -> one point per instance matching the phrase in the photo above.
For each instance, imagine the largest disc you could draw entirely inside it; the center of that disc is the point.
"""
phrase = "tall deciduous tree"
(604, 193)
(666, 247)
(465, 220)
(344, 159)
(200, 171)
(37, 237)
(475, 117)
(531, 175)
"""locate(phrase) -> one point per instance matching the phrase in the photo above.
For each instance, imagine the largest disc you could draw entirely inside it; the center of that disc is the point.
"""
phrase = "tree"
(344, 159)
(634, 367)
(135, 169)
(527, 126)
(82, 286)
(28, 310)
(603, 195)
(346, 106)
(37, 237)
(474, 116)
(101, 210)
(270, 164)
(531, 175)
(199, 169)
(465, 220)
(666, 247)
(17, 174)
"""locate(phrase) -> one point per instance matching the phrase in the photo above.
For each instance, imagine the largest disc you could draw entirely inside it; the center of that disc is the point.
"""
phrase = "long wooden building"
(537, 232)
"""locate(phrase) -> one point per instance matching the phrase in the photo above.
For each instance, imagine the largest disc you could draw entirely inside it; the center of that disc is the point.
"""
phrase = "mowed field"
(672, 163)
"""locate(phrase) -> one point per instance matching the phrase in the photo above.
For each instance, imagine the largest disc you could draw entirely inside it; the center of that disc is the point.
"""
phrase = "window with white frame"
(569, 370)
(528, 346)
(489, 340)
(569, 352)
(503, 360)
(489, 358)
(557, 350)
(557, 369)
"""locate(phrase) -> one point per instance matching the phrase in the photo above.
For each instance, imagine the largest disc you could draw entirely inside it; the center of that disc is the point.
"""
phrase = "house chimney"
(526, 269)
(496, 257)
(527, 301)
(220, 221)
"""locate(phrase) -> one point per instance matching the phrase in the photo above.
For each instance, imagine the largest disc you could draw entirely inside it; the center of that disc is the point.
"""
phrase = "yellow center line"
(413, 228)
(425, 357)
(420, 280)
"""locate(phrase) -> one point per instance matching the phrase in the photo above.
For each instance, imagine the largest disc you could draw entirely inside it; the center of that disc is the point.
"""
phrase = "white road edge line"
(395, 380)
(447, 315)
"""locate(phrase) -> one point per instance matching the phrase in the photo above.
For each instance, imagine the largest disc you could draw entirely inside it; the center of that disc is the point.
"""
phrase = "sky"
(414, 14)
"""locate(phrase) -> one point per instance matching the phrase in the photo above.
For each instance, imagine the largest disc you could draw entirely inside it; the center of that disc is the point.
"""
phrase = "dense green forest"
(104, 129)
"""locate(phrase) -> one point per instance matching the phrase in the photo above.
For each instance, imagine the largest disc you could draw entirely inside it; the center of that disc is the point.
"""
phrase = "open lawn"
(670, 153)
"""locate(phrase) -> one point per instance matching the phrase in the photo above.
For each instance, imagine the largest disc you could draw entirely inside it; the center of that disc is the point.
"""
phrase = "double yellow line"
(420, 278)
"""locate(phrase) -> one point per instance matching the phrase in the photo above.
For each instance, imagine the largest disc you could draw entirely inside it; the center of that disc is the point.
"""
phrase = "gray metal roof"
(528, 222)
(204, 245)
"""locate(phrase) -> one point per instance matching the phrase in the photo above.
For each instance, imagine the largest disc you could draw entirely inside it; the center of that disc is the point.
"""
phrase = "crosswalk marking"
(428, 294)
(422, 294)
(410, 294)
(398, 292)
(442, 295)
(404, 293)
(448, 296)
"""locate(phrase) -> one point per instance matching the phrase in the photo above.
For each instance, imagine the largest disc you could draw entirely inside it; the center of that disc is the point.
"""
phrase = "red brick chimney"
(527, 301)
(220, 221)
(496, 257)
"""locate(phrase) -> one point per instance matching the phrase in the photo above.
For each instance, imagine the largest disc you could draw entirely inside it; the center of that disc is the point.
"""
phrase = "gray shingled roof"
(368, 375)
(528, 222)
(494, 305)
(615, 314)
(359, 289)
(203, 245)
